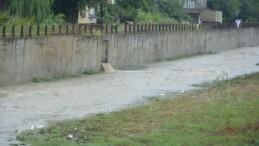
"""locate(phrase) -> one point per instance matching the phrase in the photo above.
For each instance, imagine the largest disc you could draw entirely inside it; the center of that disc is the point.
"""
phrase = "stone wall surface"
(22, 59)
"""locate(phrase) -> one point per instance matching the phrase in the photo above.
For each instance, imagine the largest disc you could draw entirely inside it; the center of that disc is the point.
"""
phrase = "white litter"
(32, 127)
(40, 126)
(181, 92)
(70, 136)
(162, 94)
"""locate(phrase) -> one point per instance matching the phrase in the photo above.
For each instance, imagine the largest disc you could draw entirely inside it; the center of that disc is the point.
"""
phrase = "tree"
(246, 12)
(40, 9)
(171, 8)
(228, 7)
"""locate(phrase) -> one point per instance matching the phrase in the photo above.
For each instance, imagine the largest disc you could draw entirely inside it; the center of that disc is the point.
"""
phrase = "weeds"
(225, 98)
(257, 64)
(213, 114)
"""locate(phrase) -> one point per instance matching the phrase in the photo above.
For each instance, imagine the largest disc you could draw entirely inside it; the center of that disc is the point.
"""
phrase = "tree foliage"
(40, 9)
(128, 10)
(228, 7)
(247, 10)
(171, 8)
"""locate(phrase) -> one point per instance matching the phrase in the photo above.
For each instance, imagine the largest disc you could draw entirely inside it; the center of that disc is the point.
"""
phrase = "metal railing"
(91, 29)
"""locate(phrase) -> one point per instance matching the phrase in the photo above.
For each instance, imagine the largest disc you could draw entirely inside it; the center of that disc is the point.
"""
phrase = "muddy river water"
(22, 106)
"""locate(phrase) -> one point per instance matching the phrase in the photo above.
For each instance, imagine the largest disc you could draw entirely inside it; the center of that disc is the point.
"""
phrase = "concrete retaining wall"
(21, 59)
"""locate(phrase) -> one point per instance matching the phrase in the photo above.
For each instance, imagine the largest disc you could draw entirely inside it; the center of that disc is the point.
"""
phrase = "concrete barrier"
(22, 59)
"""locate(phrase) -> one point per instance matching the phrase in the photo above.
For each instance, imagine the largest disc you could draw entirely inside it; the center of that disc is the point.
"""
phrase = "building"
(88, 15)
(199, 11)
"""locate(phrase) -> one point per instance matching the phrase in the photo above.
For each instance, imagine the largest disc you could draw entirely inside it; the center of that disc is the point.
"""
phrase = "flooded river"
(37, 104)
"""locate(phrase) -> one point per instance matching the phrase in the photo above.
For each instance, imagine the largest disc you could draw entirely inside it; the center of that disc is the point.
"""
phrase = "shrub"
(54, 20)
(4, 17)
(21, 21)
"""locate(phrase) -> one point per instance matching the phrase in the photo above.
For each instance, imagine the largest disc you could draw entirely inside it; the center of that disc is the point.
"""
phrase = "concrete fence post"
(125, 28)
(13, 31)
(60, 29)
(30, 27)
(4, 31)
(21, 33)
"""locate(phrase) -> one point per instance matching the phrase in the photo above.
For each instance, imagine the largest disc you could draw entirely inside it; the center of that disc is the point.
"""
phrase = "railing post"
(38, 30)
(46, 30)
(21, 31)
(53, 29)
(73, 29)
(91, 28)
(141, 28)
(112, 28)
(13, 31)
(137, 27)
(125, 28)
(66, 29)
(116, 29)
(30, 35)
(79, 29)
(102, 27)
(60, 29)
(129, 28)
(134, 28)
(4, 31)
(145, 27)
(106, 28)
(86, 27)
(149, 27)
(96, 28)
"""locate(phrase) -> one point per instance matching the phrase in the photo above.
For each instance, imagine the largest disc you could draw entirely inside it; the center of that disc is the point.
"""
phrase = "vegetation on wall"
(40, 9)
(138, 11)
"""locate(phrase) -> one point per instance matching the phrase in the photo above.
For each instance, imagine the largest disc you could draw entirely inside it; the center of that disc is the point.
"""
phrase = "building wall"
(195, 4)
(86, 16)
(22, 59)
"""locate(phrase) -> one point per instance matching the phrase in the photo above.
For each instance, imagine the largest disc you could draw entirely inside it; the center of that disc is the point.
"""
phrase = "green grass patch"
(225, 113)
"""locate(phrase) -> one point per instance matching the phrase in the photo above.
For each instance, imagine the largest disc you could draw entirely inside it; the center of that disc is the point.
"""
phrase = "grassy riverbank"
(224, 113)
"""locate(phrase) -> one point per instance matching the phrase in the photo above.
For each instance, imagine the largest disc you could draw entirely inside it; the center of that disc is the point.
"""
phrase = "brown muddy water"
(37, 104)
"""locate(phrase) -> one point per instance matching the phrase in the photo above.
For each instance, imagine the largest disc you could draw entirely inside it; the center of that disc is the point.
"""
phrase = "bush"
(4, 17)
(54, 20)
(21, 21)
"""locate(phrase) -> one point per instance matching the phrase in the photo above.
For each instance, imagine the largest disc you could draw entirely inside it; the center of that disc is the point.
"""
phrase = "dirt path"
(37, 104)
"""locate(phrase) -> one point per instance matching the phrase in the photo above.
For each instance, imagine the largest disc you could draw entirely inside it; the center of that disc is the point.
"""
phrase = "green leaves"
(247, 10)
(41, 9)
(228, 7)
